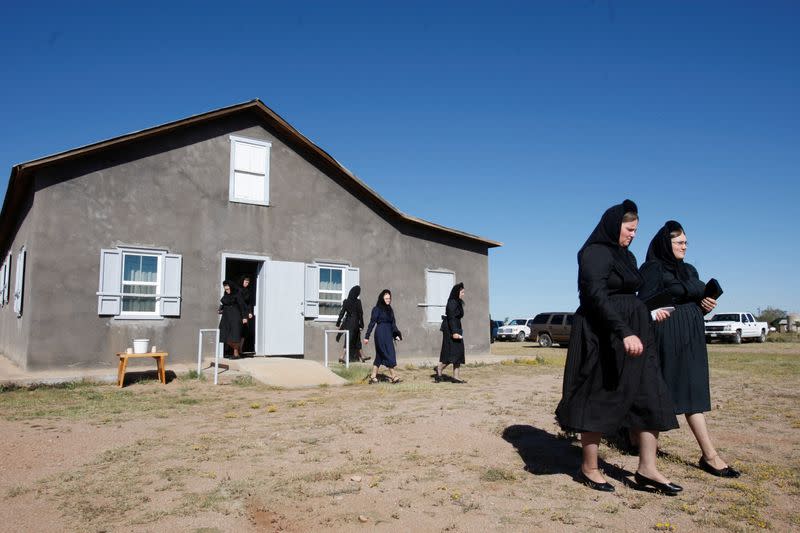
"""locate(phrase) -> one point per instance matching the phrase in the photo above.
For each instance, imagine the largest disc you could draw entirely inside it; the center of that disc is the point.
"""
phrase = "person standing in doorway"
(248, 329)
(452, 352)
(681, 339)
(351, 318)
(233, 318)
(386, 332)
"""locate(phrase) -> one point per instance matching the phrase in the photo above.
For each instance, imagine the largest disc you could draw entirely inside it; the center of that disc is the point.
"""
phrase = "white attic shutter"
(19, 282)
(351, 280)
(171, 285)
(312, 291)
(109, 299)
(249, 170)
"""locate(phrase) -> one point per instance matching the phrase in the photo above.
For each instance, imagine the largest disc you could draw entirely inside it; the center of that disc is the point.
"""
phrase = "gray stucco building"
(131, 238)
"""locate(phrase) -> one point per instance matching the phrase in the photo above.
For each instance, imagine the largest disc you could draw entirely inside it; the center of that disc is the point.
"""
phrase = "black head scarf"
(607, 231)
(381, 304)
(454, 292)
(660, 250)
(352, 298)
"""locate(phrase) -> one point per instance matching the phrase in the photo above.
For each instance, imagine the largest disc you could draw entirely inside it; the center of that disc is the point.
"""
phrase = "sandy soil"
(417, 456)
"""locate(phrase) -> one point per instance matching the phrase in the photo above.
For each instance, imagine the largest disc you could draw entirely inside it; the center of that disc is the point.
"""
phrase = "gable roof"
(18, 182)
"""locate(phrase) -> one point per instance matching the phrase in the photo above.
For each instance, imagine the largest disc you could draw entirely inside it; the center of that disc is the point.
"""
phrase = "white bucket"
(141, 345)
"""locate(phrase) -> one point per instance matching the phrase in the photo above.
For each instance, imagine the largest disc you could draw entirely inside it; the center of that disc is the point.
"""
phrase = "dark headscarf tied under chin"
(381, 304)
(455, 291)
(660, 250)
(607, 230)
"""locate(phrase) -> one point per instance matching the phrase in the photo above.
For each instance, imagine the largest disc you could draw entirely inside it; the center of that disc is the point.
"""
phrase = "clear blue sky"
(517, 121)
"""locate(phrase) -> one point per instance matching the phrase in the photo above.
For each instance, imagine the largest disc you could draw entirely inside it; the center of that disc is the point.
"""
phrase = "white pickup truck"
(735, 327)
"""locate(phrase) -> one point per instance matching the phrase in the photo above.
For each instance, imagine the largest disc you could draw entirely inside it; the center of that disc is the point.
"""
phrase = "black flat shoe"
(456, 380)
(602, 487)
(437, 378)
(668, 489)
(719, 472)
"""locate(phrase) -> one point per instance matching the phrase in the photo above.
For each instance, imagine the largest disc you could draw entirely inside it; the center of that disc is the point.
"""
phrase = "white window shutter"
(312, 291)
(351, 280)
(109, 297)
(438, 285)
(19, 282)
(171, 285)
(6, 282)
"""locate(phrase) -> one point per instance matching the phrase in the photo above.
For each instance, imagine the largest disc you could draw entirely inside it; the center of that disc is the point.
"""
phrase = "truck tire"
(708, 339)
(545, 341)
(521, 336)
(737, 338)
(763, 336)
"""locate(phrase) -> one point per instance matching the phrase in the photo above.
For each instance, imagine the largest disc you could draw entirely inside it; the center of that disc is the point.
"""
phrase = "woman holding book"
(611, 377)
(681, 339)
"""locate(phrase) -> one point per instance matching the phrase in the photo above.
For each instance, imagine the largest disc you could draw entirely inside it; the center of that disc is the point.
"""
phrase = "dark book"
(662, 299)
(713, 289)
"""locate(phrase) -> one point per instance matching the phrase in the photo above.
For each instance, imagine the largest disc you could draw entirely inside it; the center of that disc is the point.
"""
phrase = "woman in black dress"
(248, 329)
(385, 334)
(233, 317)
(681, 339)
(611, 377)
(452, 335)
(351, 318)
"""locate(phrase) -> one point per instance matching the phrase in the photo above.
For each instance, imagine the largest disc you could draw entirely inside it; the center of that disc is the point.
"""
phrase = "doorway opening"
(236, 270)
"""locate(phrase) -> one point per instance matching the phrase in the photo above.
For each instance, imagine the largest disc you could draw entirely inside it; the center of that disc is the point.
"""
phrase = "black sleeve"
(341, 316)
(452, 322)
(360, 313)
(395, 331)
(372, 321)
(593, 272)
(695, 287)
(653, 280)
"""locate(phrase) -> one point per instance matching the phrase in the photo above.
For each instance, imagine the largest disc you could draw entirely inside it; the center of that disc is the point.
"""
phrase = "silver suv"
(554, 327)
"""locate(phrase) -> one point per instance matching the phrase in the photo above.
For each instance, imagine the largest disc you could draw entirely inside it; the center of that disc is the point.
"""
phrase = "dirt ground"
(418, 456)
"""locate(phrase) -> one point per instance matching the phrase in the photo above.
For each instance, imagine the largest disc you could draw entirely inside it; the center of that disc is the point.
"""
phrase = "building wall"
(173, 194)
(14, 330)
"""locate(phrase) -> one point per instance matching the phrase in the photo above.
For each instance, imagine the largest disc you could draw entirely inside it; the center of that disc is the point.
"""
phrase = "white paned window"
(331, 290)
(140, 281)
(438, 285)
(139, 284)
(249, 173)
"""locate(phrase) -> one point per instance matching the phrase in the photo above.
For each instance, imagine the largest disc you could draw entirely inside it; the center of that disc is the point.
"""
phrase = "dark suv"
(551, 328)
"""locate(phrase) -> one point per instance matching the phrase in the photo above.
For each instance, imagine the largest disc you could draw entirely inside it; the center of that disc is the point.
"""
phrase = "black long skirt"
(452, 352)
(604, 388)
(682, 350)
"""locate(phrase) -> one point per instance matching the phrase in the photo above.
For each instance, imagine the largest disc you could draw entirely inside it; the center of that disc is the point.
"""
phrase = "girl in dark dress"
(233, 318)
(452, 335)
(385, 332)
(681, 339)
(612, 378)
(248, 329)
(351, 318)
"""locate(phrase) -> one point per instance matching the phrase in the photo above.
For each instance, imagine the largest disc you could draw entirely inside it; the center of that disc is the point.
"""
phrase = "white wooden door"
(282, 308)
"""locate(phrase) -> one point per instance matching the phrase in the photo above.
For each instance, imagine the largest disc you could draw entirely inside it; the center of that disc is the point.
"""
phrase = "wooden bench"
(123, 363)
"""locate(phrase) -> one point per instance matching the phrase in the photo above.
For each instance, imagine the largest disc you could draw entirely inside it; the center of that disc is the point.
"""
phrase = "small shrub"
(498, 474)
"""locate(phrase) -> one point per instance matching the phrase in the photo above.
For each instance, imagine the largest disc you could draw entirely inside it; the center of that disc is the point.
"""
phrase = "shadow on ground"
(147, 375)
(545, 453)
